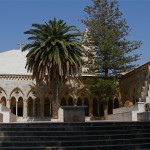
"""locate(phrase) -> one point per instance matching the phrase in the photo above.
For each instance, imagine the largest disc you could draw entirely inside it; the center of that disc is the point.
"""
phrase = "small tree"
(105, 89)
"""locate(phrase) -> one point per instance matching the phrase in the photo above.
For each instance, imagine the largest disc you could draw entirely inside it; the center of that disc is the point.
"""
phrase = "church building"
(25, 99)
(29, 101)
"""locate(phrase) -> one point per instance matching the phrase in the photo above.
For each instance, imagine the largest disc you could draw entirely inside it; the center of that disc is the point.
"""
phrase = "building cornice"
(14, 77)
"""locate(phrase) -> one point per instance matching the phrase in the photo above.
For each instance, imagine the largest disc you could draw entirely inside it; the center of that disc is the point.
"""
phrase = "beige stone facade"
(29, 101)
(134, 84)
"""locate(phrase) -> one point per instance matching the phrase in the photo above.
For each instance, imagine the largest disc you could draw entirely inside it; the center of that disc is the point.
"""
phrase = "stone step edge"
(63, 127)
(59, 136)
(72, 131)
(102, 146)
(76, 141)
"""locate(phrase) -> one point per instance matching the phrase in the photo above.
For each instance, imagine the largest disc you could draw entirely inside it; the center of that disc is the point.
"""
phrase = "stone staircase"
(74, 136)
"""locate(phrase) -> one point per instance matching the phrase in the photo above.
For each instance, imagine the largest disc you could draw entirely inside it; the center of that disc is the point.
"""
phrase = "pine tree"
(115, 53)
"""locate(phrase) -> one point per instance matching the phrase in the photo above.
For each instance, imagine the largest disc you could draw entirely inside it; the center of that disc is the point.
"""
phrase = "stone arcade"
(25, 101)
(29, 102)
(18, 90)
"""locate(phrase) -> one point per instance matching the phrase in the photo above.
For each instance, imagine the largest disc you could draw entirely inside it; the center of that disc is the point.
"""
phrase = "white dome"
(13, 62)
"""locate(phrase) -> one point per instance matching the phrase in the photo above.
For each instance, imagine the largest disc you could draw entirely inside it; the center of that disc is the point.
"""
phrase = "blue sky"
(17, 16)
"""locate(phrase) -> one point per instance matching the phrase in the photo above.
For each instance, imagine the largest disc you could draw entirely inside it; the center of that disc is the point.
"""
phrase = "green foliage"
(54, 52)
(105, 89)
(109, 34)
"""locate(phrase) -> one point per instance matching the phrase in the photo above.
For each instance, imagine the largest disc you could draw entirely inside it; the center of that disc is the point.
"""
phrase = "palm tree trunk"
(55, 108)
(55, 101)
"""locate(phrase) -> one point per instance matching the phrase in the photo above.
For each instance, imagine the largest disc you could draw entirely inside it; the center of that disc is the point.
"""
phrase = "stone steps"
(86, 136)
(98, 147)
(69, 133)
(78, 137)
(83, 128)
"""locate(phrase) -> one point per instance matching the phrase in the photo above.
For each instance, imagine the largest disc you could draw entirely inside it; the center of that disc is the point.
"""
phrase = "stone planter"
(74, 113)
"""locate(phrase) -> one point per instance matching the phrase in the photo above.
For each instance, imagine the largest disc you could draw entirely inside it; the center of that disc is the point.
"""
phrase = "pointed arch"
(17, 90)
(66, 92)
(17, 101)
(32, 93)
(3, 92)
(83, 93)
(3, 96)
(48, 93)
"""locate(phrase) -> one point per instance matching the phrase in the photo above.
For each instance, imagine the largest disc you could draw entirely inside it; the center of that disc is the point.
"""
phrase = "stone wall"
(131, 84)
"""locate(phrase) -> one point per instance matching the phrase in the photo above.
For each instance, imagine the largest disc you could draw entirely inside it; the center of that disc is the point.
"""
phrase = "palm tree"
(54, 55)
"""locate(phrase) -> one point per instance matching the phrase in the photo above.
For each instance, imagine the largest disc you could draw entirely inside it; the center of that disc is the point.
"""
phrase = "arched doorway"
(116, 103)
(101, 109)
(37, 109)
(79, 102)
(70, 101)
(63, 102)
(95, 107)
(2, 96)
(47, 108)
(20, 106)
(110, 106)
(3, 101)
(30, 107)
(13, 105)
(86, 103)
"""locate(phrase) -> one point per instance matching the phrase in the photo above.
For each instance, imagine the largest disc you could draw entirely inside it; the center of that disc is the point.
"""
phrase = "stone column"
(90, 106)
(25, 109)
(33, 107)
(17, 107)
(42, 107)
(8, 103)
(50, 108)
(75, 102)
